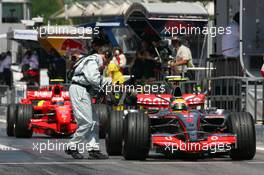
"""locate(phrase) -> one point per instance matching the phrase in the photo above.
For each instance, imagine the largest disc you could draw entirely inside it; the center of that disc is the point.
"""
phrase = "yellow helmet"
(41, 102)
(179, 104)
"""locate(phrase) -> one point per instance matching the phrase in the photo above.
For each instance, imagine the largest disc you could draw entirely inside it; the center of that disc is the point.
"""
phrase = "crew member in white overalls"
(85, 81)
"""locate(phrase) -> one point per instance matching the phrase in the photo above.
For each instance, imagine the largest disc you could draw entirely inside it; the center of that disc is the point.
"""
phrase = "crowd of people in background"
(30, 60)
(115, 69)
(29, 63)
(150, 59)
(146, 65)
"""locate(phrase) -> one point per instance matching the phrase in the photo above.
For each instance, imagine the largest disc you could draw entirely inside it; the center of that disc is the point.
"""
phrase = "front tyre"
(24, 115)
(136, 143)
(10, 119)
(242, 124)
(102, 112)
(114, 133)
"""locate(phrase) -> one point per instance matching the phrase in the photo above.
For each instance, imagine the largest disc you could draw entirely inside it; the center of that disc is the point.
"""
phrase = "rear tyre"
(10, 119)
(24, 115)
(242, 124)
(114, 133)
(136, 143)
(102, 111)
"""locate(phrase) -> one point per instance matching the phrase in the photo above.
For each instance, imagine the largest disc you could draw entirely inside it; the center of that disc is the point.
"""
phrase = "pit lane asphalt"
(18, 156)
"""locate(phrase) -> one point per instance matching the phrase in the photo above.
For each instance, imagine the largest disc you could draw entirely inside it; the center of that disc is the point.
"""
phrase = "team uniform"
(114, 70)
(86, 81)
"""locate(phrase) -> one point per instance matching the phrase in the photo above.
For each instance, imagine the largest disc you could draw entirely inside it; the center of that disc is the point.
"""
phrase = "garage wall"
(224, 11)
(5, 44)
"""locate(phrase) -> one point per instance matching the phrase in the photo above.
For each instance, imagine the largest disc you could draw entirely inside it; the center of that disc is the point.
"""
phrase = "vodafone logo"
(153, 101)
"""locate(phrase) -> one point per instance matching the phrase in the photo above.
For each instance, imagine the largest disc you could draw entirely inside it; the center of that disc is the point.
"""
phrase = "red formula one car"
(167, 124)
(44, 111)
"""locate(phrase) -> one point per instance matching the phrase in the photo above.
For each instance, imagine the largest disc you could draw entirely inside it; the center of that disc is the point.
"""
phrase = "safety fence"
(5, 95)
(229, 89)
(225, 89)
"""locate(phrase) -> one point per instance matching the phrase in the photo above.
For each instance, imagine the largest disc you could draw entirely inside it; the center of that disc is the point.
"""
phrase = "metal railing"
(229, 89)
(225, 92)
(255, 85)
(5, 95)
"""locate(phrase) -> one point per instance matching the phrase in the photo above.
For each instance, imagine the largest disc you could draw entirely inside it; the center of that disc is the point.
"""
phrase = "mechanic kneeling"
(85, 81)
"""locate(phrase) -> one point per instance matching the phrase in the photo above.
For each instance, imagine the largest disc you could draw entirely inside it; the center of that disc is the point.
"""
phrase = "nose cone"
(63, 114)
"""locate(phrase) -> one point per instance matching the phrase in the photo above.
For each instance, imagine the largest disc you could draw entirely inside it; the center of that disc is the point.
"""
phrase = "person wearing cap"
(183, 57)
(86, 81)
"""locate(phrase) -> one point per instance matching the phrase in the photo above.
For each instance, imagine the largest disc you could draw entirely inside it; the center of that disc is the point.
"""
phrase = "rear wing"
(152, 99)
(194, 99)
(45, 95)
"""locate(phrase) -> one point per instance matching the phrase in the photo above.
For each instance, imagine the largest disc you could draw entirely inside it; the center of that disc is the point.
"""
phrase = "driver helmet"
(178, 104)
(41, 102)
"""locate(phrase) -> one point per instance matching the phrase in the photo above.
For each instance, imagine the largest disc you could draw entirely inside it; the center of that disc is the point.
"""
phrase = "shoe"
(97, 155)
(74, 153)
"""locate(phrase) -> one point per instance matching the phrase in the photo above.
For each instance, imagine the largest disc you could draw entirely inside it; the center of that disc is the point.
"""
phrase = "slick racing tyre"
(24, 115)
(10, 119)
(114, 133)
(242, 124)
(136, 143)
(102, 111)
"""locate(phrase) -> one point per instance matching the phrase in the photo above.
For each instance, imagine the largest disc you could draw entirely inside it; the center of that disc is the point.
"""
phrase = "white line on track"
(7, 148)
(260, 148)
(59, 163)
(187, 162)
(2, 121)
(192, 163)
(115, 163)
